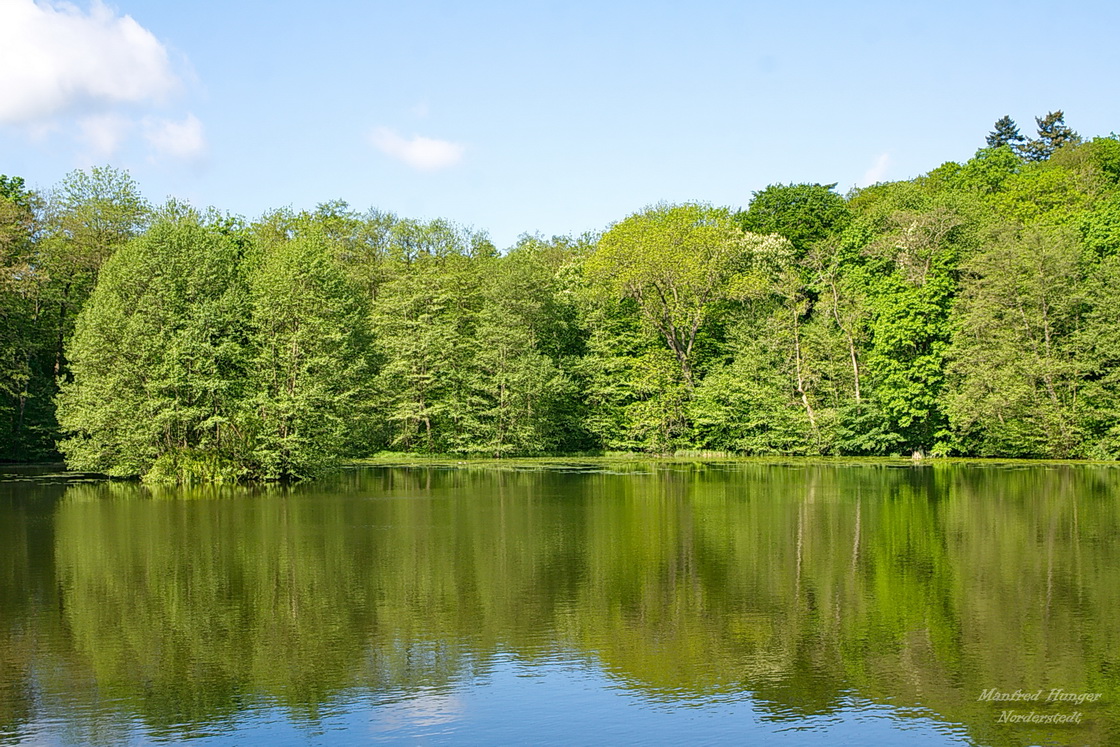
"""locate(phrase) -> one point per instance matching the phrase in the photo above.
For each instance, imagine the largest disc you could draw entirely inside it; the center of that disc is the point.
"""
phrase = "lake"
(568, 602)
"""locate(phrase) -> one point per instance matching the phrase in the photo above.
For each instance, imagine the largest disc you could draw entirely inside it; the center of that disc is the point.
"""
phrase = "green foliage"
(51, 270)
(661, 275)
(423, 319)
(621, 355)
(1105, 151)
(751, 405)
(964, 311)
(1053, 133)
(24, 333)
(308, 386)
(1096, 350)
(906, 360)
(202, 357)
(989, 170)
(1042, 192)
(676, 263)
(1006, 133)
(917, 236)
(522, 397)
(1016, 378)
(802, 213)
(1100, 228)
(92, 214)
(159, 357)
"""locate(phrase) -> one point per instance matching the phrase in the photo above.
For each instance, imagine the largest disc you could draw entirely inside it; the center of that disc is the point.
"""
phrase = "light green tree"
(516, 394)
(89, 216)
(1014, 373)
(309, 384)
(423, 321)
(159, 357)
(677, 262)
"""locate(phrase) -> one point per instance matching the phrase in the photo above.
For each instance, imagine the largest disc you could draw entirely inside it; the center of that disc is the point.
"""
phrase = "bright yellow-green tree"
(677, 262)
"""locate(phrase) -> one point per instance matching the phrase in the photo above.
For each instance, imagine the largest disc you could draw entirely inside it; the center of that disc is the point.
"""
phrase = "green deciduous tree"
(424, 321)
(756, 402)
(677, 262)
(518, 398)
(52, 269)
(802, 213)
(88, 217)
(159, 357)
(988, 170)
(809, 323)
(1097, 349)
(26, 384)
(1014, 375)
(309, 387)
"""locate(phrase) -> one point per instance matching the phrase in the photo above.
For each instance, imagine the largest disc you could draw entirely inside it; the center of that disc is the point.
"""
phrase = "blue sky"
(549, 117)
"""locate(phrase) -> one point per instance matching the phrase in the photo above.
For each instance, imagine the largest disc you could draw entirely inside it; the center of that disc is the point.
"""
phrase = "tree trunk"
(801, 378)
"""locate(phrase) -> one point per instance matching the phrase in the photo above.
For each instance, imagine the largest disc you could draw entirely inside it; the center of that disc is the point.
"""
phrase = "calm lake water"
(719, 602)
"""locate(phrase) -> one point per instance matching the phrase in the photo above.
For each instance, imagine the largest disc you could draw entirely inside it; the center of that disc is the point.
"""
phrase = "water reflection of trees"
(804, 586)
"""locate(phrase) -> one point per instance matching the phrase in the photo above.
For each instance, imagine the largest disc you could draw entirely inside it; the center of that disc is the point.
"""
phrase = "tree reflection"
(803, 586)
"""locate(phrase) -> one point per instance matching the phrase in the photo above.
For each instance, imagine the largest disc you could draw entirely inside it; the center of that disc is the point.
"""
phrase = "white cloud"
(103, 133)
(184, 140)
(423, 153)
(877, 171)
(55, 58)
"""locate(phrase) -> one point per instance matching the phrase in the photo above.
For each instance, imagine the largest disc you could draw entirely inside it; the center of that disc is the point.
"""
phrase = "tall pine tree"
(1005, 133)
(1052, 134)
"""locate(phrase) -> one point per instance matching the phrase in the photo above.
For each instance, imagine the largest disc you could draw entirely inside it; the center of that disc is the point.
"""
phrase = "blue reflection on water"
(556, 701)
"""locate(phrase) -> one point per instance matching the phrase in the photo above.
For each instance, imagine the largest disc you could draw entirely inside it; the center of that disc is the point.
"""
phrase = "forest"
(971, 311)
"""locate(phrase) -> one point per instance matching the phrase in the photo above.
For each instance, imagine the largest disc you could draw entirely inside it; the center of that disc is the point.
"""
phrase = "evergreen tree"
(1005, 133)
(1052, 134)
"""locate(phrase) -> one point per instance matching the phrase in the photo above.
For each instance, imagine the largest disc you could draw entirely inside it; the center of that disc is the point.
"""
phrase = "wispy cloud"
(103, 134)
(184, 141)
(54, 59)
(878, 170)
(423, 153)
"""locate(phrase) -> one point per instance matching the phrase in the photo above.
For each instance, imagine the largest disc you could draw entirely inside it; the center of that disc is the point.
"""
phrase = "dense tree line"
(974, 310)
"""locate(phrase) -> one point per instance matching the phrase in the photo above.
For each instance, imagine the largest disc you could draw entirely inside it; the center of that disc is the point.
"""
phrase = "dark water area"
(587, 603)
